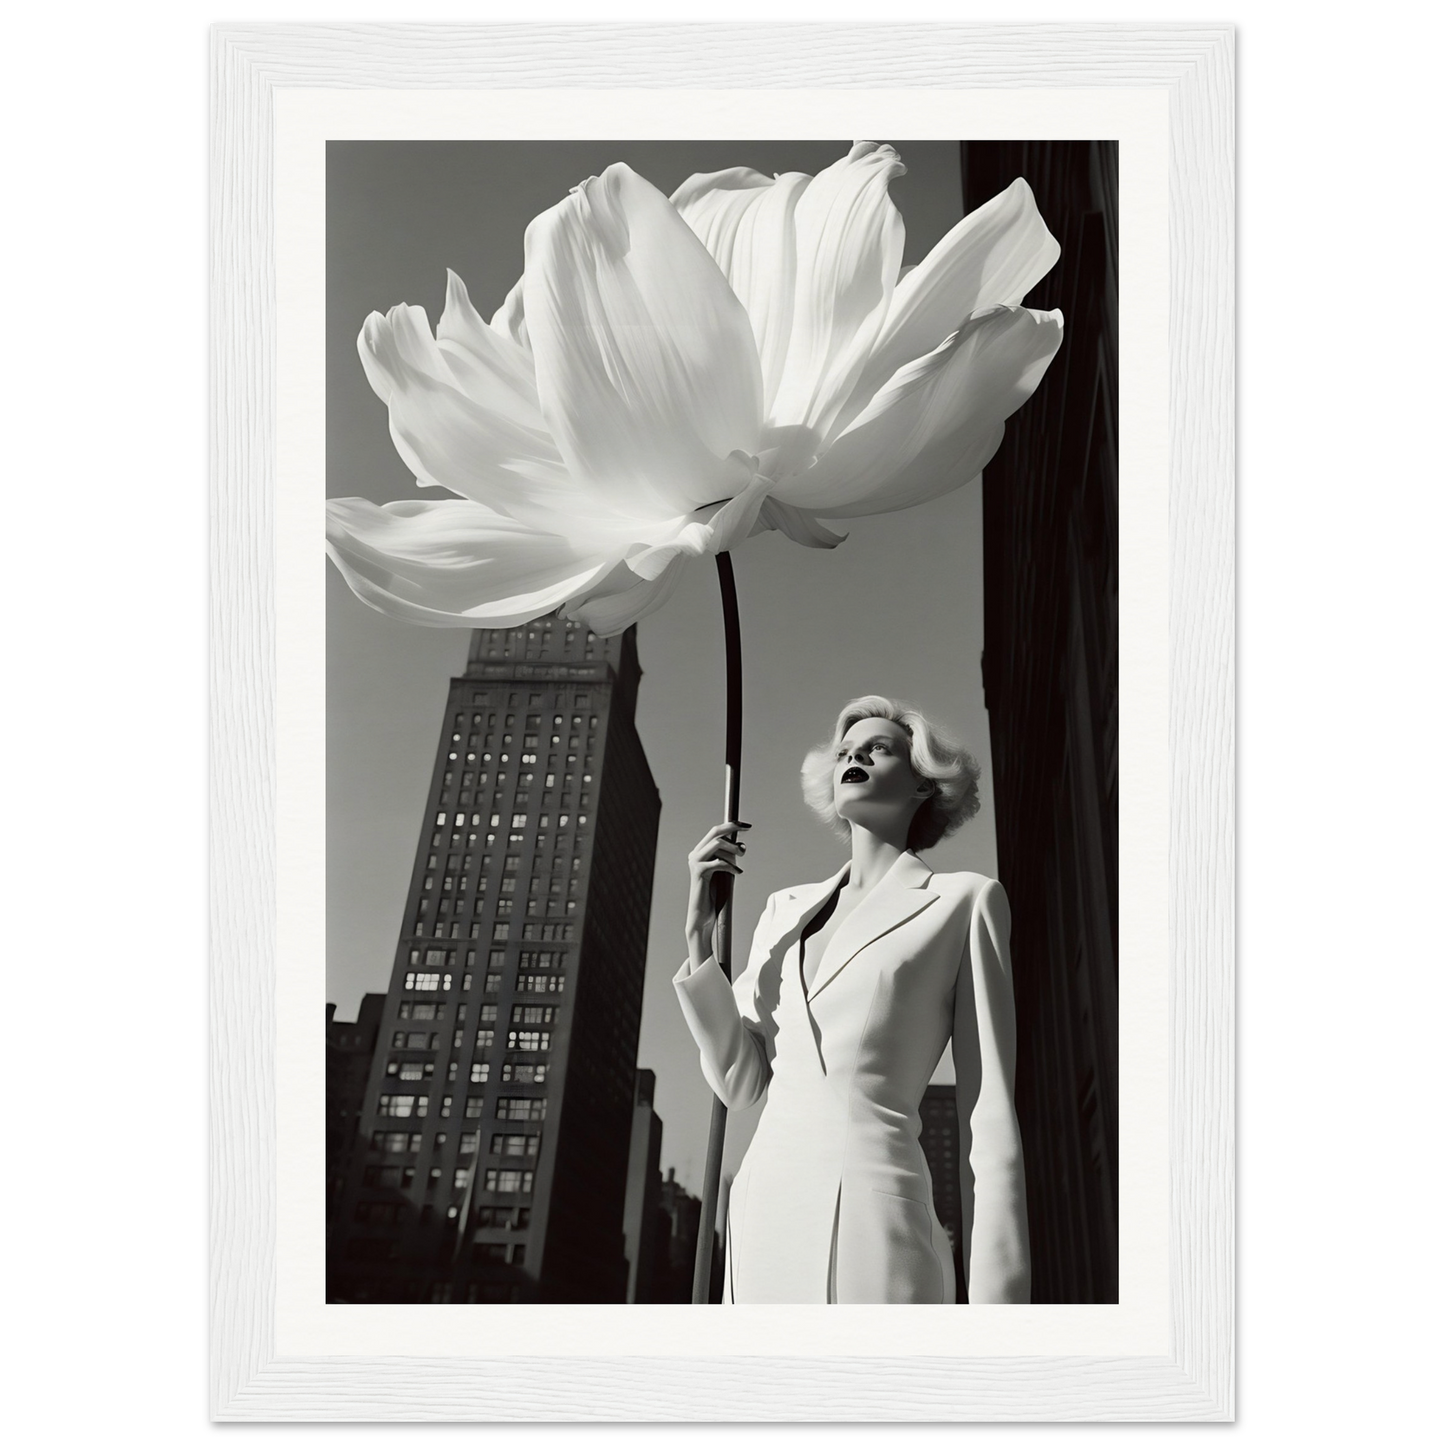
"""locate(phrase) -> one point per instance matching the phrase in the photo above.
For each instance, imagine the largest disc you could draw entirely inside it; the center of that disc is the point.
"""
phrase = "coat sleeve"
(995, 1211)
(732, 1037)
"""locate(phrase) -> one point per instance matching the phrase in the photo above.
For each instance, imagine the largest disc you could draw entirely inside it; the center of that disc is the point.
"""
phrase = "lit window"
(529, 1040)
(524, 1073)
(501, 932)
(527, 1110)
(474, 1106)
(460, 1178)
(441, 820)
(515, 1145)
(410, 1071)
(389, 1142)
(533, 1013)
(468, 1144)
(484, 1036)
(402, 1106)
(493, 983)
(423, 982)
(509, 1181)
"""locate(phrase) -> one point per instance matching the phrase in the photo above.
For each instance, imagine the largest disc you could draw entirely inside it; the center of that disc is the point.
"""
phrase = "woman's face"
(873, 780)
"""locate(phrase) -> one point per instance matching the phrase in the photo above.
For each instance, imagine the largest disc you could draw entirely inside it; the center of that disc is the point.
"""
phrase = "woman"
(852, 989)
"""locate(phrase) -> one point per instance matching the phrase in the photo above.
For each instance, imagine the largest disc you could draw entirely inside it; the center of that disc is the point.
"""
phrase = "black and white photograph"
(722, 582)
(722, 722)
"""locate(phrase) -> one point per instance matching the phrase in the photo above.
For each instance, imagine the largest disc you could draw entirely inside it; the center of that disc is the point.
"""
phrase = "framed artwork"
(1072, 614)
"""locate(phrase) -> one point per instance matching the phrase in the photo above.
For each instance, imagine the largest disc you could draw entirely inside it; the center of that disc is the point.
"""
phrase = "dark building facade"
(1050, 672)
(938, 1111)
(493, 1159)
(349, 1050)
(644, 1190)
(678, 1217)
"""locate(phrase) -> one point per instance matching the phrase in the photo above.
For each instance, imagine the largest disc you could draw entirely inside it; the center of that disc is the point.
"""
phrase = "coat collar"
(897, 896)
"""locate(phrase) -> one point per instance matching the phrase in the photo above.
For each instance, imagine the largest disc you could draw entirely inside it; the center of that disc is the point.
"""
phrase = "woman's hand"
(715, 856)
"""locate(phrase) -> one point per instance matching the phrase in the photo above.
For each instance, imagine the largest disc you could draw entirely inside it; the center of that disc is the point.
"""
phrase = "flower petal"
(797, 526)
(745, 219)
(509, 320)
(849, 239)
(646, 364)
(454, 563)
(957, 397)
(488, 365)
(607, 614)
(993, 257)
(704, 535)
(451, 440)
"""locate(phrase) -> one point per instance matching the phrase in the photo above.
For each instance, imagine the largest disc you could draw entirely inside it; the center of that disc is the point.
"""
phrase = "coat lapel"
(896, 898)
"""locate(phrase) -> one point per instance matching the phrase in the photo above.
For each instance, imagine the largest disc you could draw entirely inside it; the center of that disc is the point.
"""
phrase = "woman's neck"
(873, 855)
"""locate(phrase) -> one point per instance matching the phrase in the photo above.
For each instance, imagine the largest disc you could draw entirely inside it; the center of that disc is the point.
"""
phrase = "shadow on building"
(1050, 672)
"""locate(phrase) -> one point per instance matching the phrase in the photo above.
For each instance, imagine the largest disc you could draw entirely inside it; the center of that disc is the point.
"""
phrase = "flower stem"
(722, 944)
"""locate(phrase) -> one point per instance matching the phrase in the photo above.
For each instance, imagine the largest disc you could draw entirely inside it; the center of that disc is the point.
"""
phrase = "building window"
(460, 1178)
(468, 1144)
(402, 1106)
(501, 932)
(515, 1145)
(509, 885)
(541, 983)
(509, 1181)
(522, 1110)
(414, 1009)
(549, 932)
(410, 1071)
(518, 1073)
(492, 983)
(401, 1040)
(390, 1142)
(474, 1106)
(423, 982)
(529, 1040)
(533, 1013)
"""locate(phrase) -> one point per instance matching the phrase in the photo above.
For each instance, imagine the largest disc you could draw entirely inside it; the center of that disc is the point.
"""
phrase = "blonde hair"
(933, 755)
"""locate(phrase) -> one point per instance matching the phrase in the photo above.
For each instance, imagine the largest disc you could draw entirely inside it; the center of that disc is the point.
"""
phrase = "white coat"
(833, 1202)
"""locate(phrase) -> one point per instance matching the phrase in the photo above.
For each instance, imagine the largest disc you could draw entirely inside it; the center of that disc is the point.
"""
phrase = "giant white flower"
(670, 376)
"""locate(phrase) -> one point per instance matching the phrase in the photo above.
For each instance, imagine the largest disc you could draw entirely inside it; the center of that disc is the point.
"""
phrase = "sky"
(896, 609)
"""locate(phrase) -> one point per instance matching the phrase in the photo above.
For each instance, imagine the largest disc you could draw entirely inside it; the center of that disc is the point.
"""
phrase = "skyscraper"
(644, 1190)
(349, 1050)
(492, 1163)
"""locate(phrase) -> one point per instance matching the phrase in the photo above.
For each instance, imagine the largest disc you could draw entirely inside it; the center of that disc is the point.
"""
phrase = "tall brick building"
(493, 1152)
